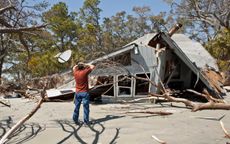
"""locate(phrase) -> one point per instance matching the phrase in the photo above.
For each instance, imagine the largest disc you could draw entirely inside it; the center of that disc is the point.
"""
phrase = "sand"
(112, 124)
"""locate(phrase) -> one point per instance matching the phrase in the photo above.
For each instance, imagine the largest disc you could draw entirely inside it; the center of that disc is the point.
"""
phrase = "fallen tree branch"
(158, 140)
(22, 121)
(193, 105)
(206, 95)
(21, 29)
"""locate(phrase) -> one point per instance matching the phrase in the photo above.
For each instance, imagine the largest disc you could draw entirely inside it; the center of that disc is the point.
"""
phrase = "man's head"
(81, 65)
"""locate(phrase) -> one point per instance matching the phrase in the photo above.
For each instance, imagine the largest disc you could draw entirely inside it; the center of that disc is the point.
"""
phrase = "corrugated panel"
(149, 55)
(195, 51)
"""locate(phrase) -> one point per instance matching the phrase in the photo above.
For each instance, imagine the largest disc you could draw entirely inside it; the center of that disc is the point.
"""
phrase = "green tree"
(220, 49)
(62, 26)
(91, 34)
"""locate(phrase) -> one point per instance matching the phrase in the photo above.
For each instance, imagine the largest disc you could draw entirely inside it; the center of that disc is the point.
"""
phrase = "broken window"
(103, 86)
(142, 86)
(124, 85)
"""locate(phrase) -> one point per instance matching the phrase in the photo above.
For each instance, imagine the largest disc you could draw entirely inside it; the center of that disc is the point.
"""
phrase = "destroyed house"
(178, 62)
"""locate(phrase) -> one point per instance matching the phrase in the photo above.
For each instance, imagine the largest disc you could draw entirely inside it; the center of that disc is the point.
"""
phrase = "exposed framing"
(135, 81)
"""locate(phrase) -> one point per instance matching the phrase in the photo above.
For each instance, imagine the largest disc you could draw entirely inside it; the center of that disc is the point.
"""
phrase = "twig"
(227, 135)
(4, 103)
(193, 105)
(211, 118)
(158, 140)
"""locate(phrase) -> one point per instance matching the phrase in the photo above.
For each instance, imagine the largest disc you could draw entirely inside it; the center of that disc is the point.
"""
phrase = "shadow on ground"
(24, 133)
(72, 129)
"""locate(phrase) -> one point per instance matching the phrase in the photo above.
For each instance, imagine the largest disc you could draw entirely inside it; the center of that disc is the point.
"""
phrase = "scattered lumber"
(215, 79)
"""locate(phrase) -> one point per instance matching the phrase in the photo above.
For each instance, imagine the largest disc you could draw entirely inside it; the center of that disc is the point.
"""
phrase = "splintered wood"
(215, 79)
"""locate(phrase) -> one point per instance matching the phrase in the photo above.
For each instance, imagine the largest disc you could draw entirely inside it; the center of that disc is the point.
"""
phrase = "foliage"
(40, 62)
(62, 26)
(220, 49)
(90, 41)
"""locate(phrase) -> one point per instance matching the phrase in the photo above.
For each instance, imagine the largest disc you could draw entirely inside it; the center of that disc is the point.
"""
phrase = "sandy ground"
(112, 124)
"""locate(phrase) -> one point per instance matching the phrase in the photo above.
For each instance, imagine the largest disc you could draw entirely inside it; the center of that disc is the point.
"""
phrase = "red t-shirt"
(81, 79)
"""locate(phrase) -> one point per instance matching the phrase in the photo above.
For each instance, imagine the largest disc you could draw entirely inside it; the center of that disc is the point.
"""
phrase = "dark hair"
(81, 65)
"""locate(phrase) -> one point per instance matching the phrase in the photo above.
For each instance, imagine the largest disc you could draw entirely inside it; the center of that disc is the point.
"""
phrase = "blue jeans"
(81, 97)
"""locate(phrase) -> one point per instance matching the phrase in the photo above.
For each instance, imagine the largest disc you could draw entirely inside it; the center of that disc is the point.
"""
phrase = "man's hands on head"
(86, 64)
(74, 67)
(90, 65)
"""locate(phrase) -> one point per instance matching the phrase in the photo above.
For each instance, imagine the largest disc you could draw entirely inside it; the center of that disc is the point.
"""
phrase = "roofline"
(123, 49)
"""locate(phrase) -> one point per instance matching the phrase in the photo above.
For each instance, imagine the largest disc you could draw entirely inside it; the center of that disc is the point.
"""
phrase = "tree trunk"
(1, 67)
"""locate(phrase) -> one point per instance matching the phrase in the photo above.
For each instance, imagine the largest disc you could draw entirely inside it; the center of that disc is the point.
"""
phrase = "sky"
(111, 7)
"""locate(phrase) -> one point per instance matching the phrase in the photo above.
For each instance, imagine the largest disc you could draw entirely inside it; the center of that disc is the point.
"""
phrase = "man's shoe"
(86, 124)
(78, 122)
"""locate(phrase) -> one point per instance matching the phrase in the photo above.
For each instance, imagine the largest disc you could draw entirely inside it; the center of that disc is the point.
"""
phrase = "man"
(81, 72)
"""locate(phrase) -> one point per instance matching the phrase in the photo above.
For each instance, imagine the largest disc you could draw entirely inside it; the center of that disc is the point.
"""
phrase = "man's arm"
(91, 66)
(74, 67)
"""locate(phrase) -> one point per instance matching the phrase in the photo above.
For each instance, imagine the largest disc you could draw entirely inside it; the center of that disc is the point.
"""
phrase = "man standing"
(81, 72)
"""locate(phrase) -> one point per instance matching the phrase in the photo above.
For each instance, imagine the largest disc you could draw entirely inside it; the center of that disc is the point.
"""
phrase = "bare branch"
(21, 29)
(158, 140)
(2, 10)
(225, 131)
(193, 105)
(207, 95)
(3, 22)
